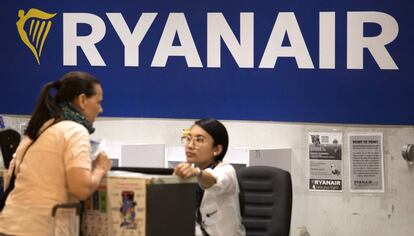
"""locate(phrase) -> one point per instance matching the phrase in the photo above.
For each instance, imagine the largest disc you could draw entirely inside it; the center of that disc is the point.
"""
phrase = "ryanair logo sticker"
(38, 26)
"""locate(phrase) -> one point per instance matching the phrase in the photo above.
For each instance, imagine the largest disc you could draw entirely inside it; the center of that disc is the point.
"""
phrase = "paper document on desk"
(97, 146)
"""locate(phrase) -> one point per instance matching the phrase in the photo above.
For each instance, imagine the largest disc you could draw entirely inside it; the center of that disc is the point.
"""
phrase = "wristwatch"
(199, 172)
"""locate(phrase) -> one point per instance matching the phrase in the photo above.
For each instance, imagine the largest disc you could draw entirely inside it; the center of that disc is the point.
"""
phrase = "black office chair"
(265, 200)
(9, 140)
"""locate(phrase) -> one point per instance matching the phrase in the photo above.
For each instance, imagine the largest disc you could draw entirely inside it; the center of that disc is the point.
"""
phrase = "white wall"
(322, 213)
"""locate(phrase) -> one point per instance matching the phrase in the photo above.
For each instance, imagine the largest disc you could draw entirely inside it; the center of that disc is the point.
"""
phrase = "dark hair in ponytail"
(218, 132)
(68, 89)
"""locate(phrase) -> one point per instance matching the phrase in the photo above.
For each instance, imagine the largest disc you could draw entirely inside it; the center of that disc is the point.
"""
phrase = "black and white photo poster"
(325, 161)
(366, 162)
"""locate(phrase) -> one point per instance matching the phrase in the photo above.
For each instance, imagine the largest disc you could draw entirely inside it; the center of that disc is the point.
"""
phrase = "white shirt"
(41, 181)
(220, 208)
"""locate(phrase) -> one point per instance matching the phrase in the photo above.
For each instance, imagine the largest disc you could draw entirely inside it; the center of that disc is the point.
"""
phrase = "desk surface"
(146, 170)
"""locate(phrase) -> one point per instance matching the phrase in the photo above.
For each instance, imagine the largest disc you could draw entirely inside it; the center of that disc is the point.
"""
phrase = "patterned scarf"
(69, 112)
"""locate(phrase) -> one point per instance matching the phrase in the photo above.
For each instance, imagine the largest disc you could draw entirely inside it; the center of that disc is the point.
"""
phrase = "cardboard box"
(126, 204)
(141, 205)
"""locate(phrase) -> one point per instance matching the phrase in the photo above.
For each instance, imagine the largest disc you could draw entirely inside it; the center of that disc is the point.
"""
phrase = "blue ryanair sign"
(297, 61)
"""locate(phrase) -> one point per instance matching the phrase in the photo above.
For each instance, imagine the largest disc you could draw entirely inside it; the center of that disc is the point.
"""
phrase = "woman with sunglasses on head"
(52, 164)
(217, 193)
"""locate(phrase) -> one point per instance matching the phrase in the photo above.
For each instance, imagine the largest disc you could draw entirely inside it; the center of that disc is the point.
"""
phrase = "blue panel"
(285, 92)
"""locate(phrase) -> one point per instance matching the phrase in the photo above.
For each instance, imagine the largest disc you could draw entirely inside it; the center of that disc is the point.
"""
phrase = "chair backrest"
(9, 140)
(265, 200)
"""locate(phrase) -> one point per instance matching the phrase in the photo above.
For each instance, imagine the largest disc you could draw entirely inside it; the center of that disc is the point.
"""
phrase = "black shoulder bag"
(10, 188)
(6, 193)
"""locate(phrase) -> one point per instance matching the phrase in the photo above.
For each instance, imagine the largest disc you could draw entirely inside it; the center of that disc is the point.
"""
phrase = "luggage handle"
(77, 206)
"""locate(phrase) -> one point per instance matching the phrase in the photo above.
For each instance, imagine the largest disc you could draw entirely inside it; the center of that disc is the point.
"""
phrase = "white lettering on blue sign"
(242, 50)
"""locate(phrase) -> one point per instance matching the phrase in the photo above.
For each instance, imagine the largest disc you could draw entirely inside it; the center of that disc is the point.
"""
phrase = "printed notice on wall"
(325, 161)
(366, 162)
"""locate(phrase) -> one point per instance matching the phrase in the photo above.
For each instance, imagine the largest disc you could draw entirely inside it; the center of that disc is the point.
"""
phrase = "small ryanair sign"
(40, 24)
